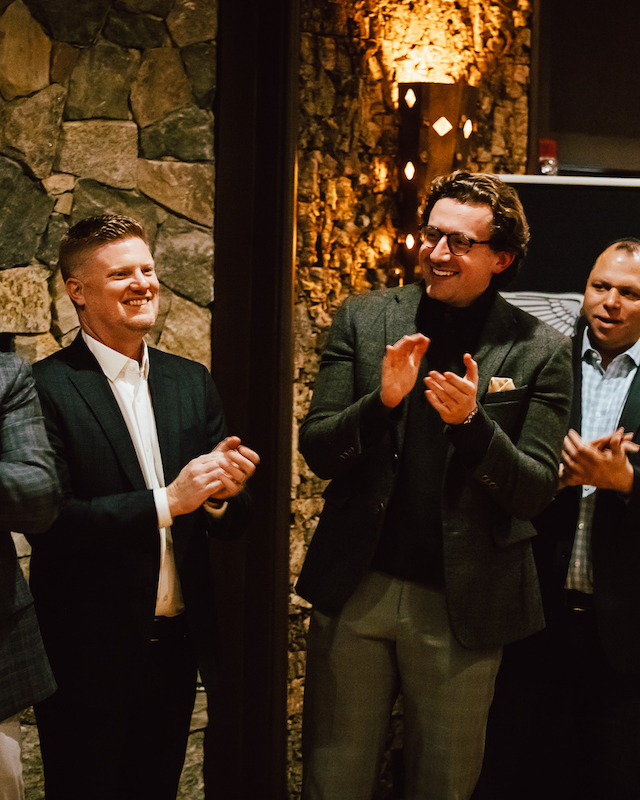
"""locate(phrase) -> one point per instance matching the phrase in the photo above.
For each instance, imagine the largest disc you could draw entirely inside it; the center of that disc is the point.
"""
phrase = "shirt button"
(581, 526)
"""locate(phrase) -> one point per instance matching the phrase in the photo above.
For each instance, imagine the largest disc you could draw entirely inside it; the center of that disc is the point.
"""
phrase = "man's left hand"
(453, 397)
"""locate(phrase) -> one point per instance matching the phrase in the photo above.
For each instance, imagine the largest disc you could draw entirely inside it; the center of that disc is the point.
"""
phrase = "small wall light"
(437, 123)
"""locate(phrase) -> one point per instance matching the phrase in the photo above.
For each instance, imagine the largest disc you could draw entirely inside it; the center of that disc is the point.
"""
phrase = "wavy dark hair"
(93, 232)
(510, 227)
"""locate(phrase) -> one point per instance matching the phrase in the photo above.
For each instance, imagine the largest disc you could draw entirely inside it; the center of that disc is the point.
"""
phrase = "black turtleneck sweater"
(410, 546)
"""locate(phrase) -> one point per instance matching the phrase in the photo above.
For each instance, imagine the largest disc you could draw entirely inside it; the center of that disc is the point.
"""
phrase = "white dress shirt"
(129, 382)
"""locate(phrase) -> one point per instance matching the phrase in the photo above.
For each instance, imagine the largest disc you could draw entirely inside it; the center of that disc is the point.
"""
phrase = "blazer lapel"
(496, 340)
(93, 386)
(401, 321)
(629, 419)
(165, 400)
(401, 313)
(575, 417)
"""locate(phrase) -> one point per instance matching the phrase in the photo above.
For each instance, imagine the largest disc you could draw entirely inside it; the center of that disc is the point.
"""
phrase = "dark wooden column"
(256, 130)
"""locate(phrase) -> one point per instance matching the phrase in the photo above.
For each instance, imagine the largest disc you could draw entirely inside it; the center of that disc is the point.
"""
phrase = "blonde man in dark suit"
(122, 581)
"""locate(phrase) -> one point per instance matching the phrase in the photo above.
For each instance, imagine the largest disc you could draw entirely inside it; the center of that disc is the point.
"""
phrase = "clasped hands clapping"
(603, 463)
(217, 475)
(452, 396)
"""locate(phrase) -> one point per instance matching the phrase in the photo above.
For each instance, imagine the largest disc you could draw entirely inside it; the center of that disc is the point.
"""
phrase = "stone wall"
(105, 107)
(353, 55)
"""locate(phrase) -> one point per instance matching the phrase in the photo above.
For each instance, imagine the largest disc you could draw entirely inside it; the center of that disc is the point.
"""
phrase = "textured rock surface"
(31, 129)
(135, 30)
(101, 82)
(34, 348)
(78, 22)
(50, 242)
(193, 21)
(24, 53)
(186, 189)
(187, 331)
(159, 8)
(200, 65)
(160, 87)
(24, 216)
(65, 317)
(186, 134)
(179, 243)
(24, 300)
(105, 150)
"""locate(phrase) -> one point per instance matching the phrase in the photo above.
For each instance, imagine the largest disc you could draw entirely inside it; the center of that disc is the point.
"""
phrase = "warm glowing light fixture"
(410, 98)
(442, 126)
(409, 170)
(435, 135)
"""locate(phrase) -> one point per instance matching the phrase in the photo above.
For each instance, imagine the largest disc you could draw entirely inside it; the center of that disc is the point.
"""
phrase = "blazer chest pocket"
(507, 408)
(498, 398)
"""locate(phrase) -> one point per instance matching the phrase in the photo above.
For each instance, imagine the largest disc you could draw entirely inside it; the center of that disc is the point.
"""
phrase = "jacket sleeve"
(343, 422)
(29, 491)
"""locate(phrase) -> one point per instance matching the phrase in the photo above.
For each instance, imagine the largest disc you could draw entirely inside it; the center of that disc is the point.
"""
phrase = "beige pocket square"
(501, 385)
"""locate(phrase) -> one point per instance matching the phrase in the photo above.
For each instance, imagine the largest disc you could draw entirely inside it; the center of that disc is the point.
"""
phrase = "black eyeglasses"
(459, 244)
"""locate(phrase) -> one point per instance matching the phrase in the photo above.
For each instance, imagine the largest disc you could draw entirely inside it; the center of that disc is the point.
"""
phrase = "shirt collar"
(591, 355)
(113, 363)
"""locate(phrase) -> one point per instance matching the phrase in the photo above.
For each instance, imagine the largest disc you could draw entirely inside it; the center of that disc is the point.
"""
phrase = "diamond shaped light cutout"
(410, 98)
(409, 170)
(442, 126)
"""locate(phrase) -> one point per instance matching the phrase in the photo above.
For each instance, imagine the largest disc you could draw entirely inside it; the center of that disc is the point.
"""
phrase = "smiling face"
(459, 280)
(611, 303)
(116, 293)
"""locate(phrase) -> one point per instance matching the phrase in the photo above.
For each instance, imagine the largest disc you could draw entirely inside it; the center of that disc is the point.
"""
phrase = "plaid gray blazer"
(28, 503)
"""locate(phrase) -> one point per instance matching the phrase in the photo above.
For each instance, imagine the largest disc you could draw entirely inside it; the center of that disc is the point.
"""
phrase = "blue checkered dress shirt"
(604, 393)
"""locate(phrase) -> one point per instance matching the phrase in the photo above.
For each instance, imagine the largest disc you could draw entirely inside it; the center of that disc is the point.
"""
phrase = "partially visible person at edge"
(565, 724)
(29, 496)
(438, 413)
(121, 581)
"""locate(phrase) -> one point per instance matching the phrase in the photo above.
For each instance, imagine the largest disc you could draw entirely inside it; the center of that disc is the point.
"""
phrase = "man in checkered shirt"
(566, 717)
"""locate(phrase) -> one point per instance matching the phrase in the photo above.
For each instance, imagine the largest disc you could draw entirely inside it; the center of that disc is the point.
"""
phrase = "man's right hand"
(400, 368)
(221, 473)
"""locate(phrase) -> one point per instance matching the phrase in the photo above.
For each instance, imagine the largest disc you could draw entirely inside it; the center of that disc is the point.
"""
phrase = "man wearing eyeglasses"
(438, 414)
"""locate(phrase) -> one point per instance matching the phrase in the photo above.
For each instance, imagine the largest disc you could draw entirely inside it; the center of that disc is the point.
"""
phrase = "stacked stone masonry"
(105, 107)
(353, 55)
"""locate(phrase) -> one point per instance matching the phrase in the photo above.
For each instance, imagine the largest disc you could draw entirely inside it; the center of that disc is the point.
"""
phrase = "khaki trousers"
(393, 635)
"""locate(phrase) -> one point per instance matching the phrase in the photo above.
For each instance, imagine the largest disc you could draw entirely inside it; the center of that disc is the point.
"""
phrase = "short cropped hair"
(510, 227)
(628, 243)
(91, 233)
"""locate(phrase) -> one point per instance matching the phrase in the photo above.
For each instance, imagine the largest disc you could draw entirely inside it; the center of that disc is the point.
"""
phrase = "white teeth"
(441, 273)
(136, 302)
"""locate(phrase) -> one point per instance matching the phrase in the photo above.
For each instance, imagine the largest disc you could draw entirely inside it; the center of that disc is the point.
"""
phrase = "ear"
(504, 259)
(75, 290)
